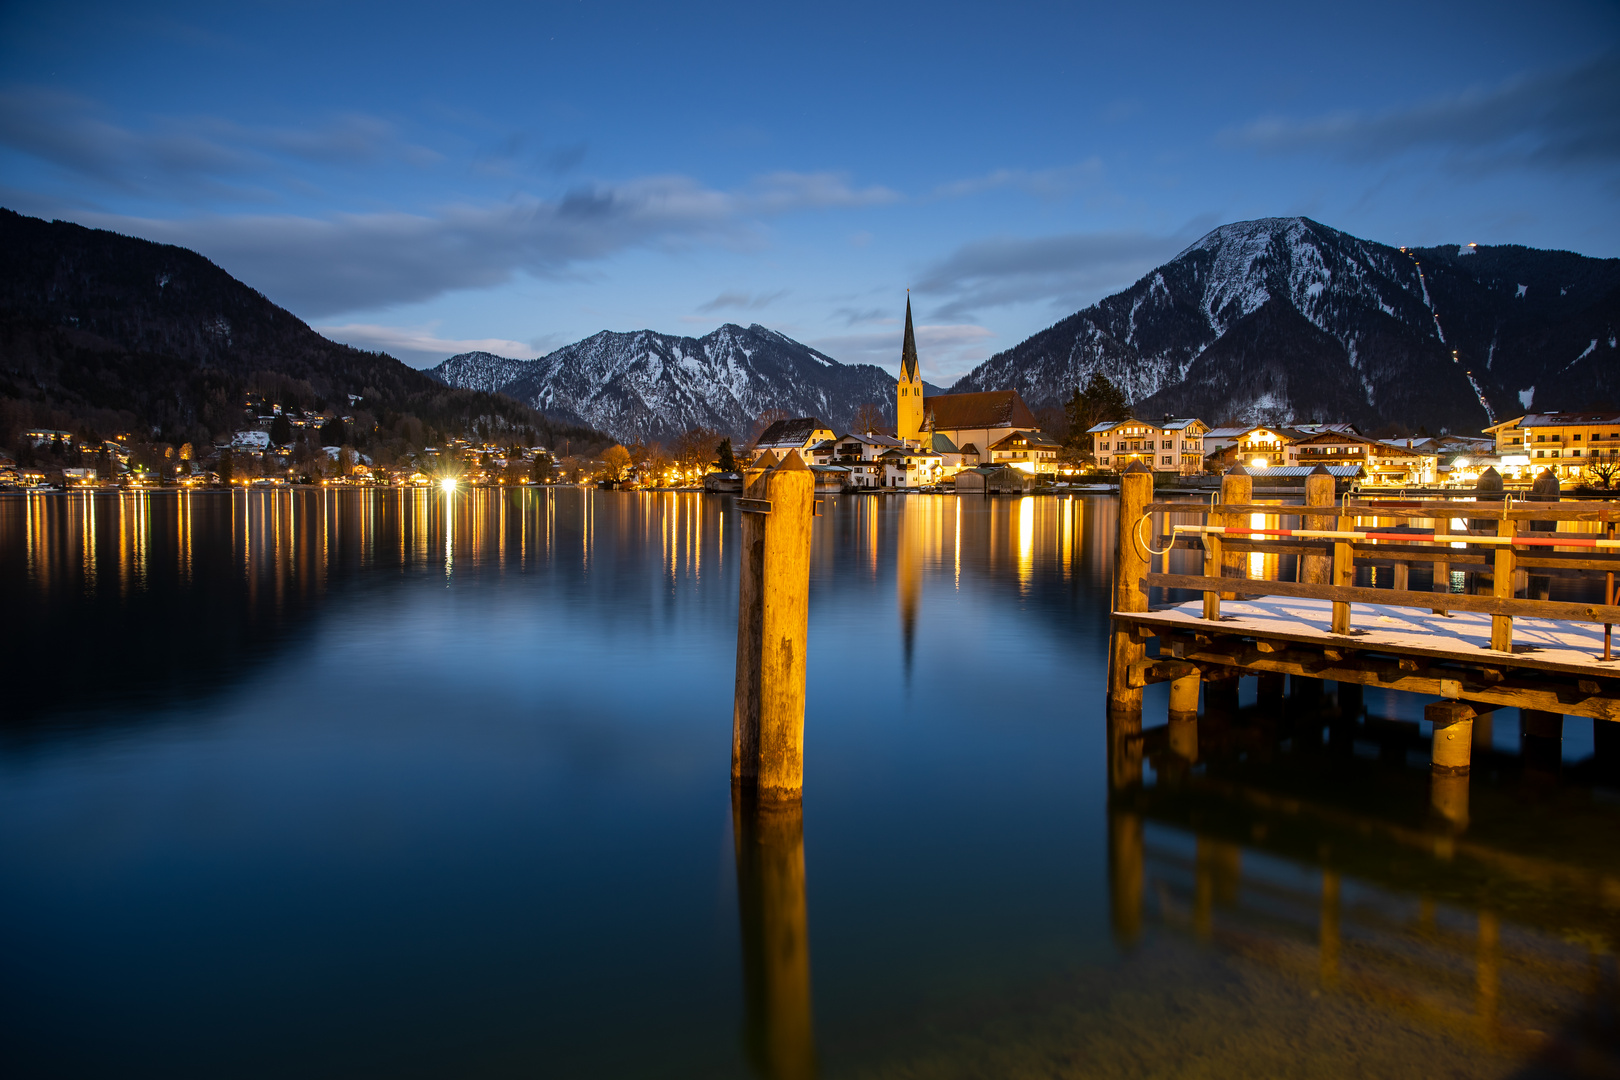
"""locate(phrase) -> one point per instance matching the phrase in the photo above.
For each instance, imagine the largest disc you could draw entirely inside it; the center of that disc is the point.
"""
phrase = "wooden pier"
(1478, 651)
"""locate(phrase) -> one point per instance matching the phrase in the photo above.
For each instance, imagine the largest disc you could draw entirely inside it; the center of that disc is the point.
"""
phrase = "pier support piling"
(1183, 725)
(1541, 740)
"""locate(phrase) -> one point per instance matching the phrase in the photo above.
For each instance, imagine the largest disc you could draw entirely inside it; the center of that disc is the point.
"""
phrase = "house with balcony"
(1257, 446)
(1565, 442)
(1030, 451)
(1172, 444)
(1393, 462)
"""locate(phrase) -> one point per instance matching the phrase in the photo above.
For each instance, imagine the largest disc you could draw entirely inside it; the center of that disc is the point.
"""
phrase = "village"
(984, 443)
(978, 443)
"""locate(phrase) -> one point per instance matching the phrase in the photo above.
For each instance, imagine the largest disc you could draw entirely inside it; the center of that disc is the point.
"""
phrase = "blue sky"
(431, 179)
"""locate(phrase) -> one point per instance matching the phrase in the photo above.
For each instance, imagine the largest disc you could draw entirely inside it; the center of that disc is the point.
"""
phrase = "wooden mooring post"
(773, 610)
(1131, 563)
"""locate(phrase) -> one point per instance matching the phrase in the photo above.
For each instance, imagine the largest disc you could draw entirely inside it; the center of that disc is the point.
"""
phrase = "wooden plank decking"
(1552, 645)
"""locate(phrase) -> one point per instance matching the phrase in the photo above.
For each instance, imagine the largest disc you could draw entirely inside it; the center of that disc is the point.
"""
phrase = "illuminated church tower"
(908, 410)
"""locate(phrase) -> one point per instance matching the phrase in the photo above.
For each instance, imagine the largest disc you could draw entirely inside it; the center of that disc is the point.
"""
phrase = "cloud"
(853, 315)
(421, 343)
(188, 156)
(1066, 271)
(1041, 183)
(352, 262)
(781, 192)
(945, 352)
(1562, 119)
(327, 264)
(741, 301)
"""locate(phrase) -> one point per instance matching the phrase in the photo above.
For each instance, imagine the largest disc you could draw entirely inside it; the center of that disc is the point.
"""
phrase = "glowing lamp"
(448, 484)
(1259, 463)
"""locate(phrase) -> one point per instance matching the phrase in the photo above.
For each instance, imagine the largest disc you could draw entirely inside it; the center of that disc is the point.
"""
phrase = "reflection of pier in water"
(1251, 832)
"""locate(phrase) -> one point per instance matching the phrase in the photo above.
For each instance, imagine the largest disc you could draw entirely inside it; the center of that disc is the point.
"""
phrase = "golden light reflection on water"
(1026, 539)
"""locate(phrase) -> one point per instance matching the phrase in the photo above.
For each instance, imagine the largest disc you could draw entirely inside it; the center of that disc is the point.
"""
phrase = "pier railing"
(1497, 545)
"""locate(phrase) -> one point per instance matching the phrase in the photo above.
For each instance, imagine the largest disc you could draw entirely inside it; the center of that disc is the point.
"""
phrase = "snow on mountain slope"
(1286, 319)
(479, 371)
(645, 385)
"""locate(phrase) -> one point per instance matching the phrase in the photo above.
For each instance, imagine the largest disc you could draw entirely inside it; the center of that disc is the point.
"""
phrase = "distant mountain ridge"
(1286, 319)
(111, 332)
(644, 385)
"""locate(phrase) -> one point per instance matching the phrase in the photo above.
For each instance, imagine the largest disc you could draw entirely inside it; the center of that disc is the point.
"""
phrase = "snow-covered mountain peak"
(646, 385)
(1292, 319)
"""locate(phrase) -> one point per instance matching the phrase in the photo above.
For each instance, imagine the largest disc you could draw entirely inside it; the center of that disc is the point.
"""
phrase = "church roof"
(988, 409)
(908, 350)
(942, 444)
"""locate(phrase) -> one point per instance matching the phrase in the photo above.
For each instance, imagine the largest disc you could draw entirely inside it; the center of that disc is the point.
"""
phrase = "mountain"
(106, 333)
(1288, 320)
(646, 386)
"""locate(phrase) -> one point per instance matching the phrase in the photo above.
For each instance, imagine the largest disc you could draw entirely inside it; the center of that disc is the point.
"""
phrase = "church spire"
(908, 351)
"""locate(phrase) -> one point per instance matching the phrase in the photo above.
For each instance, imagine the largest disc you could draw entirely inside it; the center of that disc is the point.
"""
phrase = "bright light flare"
(448, 484)
(1259, 463)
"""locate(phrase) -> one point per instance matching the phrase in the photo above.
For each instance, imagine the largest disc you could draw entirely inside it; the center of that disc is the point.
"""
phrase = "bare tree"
(654, 464)
(869, 417)
(1603, 472)
(696, 449)
(763, 423)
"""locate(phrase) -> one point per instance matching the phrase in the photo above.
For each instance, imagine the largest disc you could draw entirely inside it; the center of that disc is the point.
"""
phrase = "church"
(993, 427)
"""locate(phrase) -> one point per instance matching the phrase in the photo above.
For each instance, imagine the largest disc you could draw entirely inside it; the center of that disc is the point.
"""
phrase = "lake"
(342, 783)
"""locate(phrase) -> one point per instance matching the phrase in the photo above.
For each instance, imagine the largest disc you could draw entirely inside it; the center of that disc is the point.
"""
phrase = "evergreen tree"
(1099, 402)
(280, 431)
(226, 466)
(332, 433)
(542, 469)
(728, 461)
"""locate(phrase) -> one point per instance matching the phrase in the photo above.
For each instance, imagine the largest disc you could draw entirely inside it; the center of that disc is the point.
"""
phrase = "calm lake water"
(324, 783)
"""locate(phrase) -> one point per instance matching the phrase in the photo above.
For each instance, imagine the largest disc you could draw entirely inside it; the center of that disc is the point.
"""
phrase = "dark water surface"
(399, 784)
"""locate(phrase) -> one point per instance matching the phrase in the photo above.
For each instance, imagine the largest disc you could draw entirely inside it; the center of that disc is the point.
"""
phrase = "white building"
(1174, 444)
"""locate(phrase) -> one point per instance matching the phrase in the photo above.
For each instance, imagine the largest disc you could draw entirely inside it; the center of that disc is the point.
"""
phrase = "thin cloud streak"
(1064, 271)
(946, 352)
(419, 341)
(742, 301)
(1045, 184)
(1562, 119)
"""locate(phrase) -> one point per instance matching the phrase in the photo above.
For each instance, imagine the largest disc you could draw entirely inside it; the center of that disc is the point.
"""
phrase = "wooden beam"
(1453, 684)
(1144, 672)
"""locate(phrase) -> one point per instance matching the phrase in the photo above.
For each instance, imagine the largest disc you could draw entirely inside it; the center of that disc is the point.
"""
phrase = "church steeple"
(908, 351)
(908, 412)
